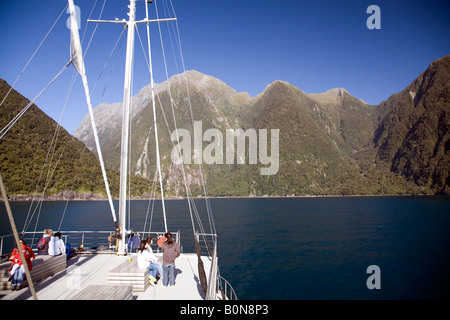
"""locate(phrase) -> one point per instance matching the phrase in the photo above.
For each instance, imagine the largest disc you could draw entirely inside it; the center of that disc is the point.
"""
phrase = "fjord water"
(300, 248)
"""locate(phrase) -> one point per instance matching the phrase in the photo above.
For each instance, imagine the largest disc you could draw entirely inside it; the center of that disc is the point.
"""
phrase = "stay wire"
(34, 53)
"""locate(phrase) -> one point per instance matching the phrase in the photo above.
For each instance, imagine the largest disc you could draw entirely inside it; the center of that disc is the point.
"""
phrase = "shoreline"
(97, 197)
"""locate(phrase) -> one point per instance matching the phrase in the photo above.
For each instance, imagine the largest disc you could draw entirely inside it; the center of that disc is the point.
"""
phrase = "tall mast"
(125, 126)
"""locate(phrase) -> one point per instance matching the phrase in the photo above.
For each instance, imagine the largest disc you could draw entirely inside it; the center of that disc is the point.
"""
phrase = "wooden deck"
(43, 266)
(105, 292)
(128, 273)
(92, 269)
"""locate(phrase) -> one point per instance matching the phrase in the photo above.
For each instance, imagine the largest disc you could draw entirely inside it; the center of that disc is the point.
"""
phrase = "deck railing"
(82, 241)
(225, 289)
(218, 288)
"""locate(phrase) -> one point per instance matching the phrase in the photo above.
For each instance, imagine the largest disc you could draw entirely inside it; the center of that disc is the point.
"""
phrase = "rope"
(32, 56)
(158, 160)
(190, 111)
(54, 142)
(191, 203)
(21, 113)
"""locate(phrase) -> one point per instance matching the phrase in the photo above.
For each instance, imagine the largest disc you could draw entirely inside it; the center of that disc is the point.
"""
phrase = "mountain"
(330, 143)
(212, 101)
(413, 135)
(38, 152)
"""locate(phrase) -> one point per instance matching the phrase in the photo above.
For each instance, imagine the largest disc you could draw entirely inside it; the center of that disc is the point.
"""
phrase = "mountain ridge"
(320, 133)
(330, 143)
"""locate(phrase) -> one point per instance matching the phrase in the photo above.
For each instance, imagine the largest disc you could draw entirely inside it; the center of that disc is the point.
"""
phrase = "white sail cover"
(76, 55)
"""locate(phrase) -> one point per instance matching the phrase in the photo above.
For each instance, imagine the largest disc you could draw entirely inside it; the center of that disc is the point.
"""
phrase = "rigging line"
(72, 83)
(58, 126)
(207, 201)
(173, 112)
(67, 201)
(53, 143)
(158, 160)
(51, 151)
(21, 113)
(114, 62)
(142, 47)
(26, 223)
(43, 193)
(107, 61)
(78, 62)
(169, 29)
(75, 74)
(152, 190)
(190, 201)
(95, 29)
(90, 14)
(32, 56)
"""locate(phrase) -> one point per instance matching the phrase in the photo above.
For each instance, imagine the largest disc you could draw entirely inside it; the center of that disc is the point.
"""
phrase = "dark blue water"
(303, 248)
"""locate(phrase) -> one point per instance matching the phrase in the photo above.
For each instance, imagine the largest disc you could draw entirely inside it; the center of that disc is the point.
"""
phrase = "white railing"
(225, 289)
(82, 241)
(218, 288)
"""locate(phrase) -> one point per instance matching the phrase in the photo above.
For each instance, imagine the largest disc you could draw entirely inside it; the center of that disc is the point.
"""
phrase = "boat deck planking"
(92, 269)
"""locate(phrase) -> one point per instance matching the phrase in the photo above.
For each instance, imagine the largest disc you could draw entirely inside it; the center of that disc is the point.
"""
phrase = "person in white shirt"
(147, 260)
(56, 245)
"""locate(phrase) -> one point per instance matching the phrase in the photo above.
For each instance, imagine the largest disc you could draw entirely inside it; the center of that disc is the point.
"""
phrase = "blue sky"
(314, 45)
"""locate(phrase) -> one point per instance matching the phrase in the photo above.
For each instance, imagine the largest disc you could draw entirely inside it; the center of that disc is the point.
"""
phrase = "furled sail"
(76, 55)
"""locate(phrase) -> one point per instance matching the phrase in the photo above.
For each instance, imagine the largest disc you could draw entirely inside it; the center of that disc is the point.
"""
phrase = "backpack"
(42, 243)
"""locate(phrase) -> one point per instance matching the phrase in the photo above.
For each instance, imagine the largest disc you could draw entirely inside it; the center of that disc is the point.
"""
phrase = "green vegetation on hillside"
(37, 155)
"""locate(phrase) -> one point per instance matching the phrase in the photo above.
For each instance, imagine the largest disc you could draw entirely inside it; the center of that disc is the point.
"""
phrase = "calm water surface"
(302, 248)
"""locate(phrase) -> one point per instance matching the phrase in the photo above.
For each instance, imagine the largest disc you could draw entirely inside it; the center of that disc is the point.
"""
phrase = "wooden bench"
(128, 273)
(43, 266)
(105, 292)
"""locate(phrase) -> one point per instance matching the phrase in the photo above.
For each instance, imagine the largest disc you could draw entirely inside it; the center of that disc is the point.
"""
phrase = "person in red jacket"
(17, 269)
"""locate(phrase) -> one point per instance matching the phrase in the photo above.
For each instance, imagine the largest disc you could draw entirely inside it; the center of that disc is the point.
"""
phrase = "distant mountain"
(36, 151)
(330, 143)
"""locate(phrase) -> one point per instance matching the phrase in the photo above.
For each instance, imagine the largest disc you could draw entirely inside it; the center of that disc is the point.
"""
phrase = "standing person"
(171, 250)
(17, 269)
(56, 245)
(145, 259)
(43, 242)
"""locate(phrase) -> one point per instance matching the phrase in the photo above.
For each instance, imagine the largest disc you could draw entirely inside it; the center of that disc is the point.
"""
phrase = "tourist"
(17, 270)
(155, 263)
(43, 242)
(56, 245)
(145, 260)
(171, 250)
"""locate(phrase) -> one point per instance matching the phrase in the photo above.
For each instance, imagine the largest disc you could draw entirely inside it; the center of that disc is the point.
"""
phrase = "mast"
(131, 24)
(125, 126)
